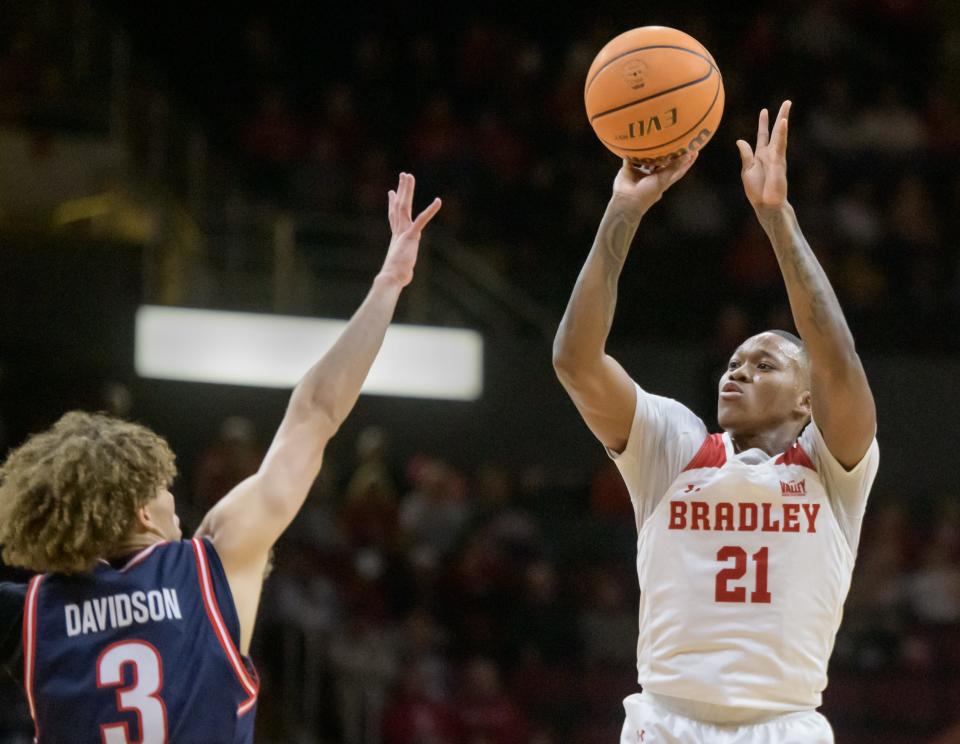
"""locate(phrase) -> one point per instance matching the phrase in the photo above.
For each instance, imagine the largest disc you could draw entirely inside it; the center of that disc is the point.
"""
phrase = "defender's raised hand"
(764, 170)
(641, 191)
(405, 241)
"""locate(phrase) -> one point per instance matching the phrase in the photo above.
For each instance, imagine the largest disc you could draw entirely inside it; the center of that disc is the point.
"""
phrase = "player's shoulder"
(810, 443)
(199, 550)
(669, 411)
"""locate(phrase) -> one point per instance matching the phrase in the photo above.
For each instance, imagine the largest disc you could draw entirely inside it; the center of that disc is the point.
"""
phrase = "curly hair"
(69, 495)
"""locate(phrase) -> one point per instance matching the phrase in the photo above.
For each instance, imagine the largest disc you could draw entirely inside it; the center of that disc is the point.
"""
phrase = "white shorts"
(650, 723)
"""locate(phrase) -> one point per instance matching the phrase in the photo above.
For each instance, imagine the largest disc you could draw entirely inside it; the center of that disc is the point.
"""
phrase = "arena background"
(470, 565)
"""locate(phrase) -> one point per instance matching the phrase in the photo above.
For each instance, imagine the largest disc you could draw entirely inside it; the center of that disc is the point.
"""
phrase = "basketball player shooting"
(747, 538)
(129, 633)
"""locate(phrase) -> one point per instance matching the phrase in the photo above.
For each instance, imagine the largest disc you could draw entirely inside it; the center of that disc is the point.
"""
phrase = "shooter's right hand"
(639, 191)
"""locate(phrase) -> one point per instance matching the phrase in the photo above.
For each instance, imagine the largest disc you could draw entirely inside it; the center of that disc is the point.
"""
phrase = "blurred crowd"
(429, 602)
(487, 110)
(55, 66)
(491, 117)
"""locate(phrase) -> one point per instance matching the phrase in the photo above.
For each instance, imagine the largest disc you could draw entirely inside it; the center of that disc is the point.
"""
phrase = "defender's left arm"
(842, 402)
(245, 524)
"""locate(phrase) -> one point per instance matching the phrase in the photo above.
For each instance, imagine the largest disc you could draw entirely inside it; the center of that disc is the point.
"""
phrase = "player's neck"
(772, 441)
(135, 543)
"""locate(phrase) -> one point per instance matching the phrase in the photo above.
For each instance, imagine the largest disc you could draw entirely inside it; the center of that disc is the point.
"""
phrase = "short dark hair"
(795, 340)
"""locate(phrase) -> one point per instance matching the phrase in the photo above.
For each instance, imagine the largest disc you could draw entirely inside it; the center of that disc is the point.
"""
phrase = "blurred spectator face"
(935, 588)
(237, 431)
(493, 486)
(340, 107)
(415, 681)
(912, 216)
(856, 214)
(421, 631)
(609, 594)
(541, 583)
(234, 456)
(482, 680)
(432, 480)
(369, 488)
(371, 443)
(118, 399)
(481, 564)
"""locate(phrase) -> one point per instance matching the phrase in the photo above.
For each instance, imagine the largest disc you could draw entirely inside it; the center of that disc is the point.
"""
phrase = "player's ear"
(805, 404)
(143, 520)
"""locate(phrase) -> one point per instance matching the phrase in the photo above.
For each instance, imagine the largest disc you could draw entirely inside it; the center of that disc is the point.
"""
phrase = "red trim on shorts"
(247, 681)
(712, 454)
(30, 647)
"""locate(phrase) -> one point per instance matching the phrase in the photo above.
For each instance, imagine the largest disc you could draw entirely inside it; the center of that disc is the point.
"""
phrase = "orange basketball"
(653, 94)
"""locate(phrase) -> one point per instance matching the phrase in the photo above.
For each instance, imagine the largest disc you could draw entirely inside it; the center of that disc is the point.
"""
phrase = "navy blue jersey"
(145, 653)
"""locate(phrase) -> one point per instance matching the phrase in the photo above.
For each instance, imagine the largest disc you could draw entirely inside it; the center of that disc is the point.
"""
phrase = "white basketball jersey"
(743, 570)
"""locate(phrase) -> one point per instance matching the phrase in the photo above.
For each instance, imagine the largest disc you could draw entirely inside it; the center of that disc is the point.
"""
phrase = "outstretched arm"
(245, 524)
(843, 405)
(599, 387)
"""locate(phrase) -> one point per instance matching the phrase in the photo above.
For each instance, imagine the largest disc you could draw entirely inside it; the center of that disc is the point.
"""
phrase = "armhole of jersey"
(247, 681)
(30, 647)
(712, 454)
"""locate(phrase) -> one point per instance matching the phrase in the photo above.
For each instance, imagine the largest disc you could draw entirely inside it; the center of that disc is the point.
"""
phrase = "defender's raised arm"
(843, 405)
(245, 524)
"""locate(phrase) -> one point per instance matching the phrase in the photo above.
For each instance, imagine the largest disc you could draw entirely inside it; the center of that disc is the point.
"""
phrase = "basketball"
(653, 94)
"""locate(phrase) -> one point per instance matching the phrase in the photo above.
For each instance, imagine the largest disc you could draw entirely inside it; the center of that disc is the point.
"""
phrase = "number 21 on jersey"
(724, 592)
(141, 697)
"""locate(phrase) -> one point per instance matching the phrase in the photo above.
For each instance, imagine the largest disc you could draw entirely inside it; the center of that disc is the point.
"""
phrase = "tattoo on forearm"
(589, 314)
(816, 302)
(614, 244)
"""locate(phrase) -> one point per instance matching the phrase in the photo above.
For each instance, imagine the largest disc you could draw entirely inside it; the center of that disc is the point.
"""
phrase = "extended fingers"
(392, 207)
(406, 203)
(779, 141)
(784, 112)
(763, 129)
(746, 154)
(400, 204)
(682, 166)
(423, 219)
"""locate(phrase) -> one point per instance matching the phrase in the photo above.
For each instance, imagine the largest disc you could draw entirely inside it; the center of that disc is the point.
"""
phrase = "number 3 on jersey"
(141, 697)
(724, 593)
